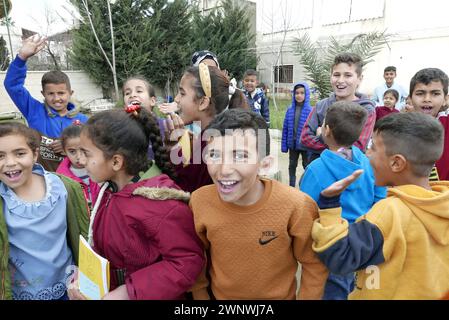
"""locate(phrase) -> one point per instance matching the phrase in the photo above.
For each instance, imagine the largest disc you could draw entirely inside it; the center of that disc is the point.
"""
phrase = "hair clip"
(205, 79)
(133, 108)
(77, 123)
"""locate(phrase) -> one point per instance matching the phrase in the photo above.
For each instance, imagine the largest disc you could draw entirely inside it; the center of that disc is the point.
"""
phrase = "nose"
(10, 161)
(81, 159)
(178, 96)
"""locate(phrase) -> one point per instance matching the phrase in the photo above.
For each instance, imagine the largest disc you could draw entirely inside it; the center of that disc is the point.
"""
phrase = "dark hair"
(251, 72)
(238, 100)
(427, 76)
(242, 119)
(393, 92)
(69, 132)
(117, 132)
(390, 68)
(416, 136)
(33, 138)
(220, 88)
(150, 88)
(346, 120)
(350, 59)
(55, 77)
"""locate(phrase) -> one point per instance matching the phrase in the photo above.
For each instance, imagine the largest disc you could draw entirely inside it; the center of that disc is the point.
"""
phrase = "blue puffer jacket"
(288, 141)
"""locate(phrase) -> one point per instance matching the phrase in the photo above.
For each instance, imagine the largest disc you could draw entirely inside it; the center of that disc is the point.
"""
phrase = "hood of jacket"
(431, 207)
(306, 91)
(160, 187)
(340, 168)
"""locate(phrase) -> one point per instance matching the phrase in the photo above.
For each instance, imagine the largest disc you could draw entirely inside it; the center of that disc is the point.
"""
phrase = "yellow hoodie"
(400, 247)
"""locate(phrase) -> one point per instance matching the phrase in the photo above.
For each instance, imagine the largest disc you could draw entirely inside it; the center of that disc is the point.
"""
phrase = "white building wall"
(420, 33)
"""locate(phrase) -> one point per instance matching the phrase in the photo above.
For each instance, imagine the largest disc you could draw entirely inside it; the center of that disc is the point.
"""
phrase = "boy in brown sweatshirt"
(255, 230)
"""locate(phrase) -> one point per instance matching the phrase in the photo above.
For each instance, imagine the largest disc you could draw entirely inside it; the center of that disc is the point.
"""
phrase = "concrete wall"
(420, 34)
(84, 89)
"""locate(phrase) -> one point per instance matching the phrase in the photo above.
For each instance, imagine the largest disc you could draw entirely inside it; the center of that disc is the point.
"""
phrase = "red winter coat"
(443, 163)
(152, 238)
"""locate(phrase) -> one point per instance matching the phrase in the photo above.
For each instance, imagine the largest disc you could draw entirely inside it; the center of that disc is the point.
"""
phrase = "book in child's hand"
(93, 275)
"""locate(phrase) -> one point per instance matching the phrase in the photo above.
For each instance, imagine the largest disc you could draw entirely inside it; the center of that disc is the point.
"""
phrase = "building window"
(283, 74)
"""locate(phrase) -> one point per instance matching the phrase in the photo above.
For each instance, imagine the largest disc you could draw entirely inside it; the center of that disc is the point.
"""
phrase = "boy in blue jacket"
(256, 98)
(295, 117)
(342, 126)
(52, 116)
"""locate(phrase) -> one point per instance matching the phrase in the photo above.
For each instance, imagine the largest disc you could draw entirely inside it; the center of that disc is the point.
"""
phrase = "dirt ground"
(281, 159)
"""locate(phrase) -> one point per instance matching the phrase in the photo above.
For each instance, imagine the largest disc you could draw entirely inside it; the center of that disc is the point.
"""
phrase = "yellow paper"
(93, 275)
(184, 142)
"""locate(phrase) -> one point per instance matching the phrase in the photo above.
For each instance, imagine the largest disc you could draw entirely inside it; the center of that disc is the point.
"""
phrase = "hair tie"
(205, 79)
(77, 123)
(132, 108)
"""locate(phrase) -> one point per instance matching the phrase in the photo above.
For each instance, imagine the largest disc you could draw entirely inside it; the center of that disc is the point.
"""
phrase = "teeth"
(228, 183)
(12, 172)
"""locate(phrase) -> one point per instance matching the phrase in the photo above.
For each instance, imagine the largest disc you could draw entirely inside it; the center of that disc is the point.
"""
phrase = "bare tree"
(111, 65)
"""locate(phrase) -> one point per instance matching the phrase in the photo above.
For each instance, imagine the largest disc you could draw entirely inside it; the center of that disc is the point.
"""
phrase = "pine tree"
(4, 55)
(151, 39)
(226, 32)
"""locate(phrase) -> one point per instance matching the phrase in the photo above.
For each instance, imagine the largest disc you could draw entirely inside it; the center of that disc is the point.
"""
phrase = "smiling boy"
(56, 113)
(429, 95)
(254, 230)
(346, 76)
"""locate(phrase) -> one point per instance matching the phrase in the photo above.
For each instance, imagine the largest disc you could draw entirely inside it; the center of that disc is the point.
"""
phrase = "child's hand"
(73, 290)
(167, 108)
(338, 187)
(174, 129)
(56, 146)
(121, 293)
(31, 46)
(408, 108)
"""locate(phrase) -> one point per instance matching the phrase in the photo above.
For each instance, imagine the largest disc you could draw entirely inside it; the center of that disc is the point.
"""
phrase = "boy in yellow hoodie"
(400, 247)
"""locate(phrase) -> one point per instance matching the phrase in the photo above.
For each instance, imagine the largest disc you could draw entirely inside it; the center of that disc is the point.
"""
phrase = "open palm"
(339, 186)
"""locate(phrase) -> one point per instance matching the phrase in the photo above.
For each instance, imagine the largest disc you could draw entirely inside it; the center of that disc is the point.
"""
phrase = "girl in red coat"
(143, 227)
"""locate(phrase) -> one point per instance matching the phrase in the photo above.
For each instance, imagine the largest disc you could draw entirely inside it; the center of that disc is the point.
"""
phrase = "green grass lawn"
(277, 116)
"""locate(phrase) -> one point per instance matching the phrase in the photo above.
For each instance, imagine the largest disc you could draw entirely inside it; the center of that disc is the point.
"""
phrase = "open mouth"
(227, 187)
(13, 176)
(135, 102)
(427, 109)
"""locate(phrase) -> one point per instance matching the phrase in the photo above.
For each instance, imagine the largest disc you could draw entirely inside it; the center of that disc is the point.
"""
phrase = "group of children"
(214, 226)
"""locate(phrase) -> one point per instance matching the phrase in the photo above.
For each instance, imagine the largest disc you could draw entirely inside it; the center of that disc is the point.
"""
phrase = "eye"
(21, 153)
(214, 155)
(240, 156)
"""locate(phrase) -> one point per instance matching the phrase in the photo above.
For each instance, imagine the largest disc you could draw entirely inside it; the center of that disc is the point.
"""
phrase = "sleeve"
(14, 85)
(345, 248)
(181, 263)
(367, 131)
(310, 184)
(265, 110)
(284, 144)
(199, 289)
(314, 272)
(308, 134)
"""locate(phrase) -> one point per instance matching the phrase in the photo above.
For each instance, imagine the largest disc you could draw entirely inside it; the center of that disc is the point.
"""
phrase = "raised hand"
(31, 46)
(338, 187)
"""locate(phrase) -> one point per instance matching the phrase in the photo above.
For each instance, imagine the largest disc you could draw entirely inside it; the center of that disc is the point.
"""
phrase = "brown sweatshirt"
(254, 250)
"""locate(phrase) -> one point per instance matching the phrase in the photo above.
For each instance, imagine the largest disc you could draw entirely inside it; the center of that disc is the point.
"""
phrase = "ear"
(118, 162)
(71, 92)
(36, 154)
(397, 163)
(204, 103)
(153, 101)
(327, 131)
(266, 166)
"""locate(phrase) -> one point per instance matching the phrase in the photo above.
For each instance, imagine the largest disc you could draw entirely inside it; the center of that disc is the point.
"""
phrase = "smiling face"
(428, 98)
(16, 162)
(345, 81)
(250, 83)
(233, 164)
(389, 77)
(57, 97)
(187, 101)
(135, 91)
(98, 167)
